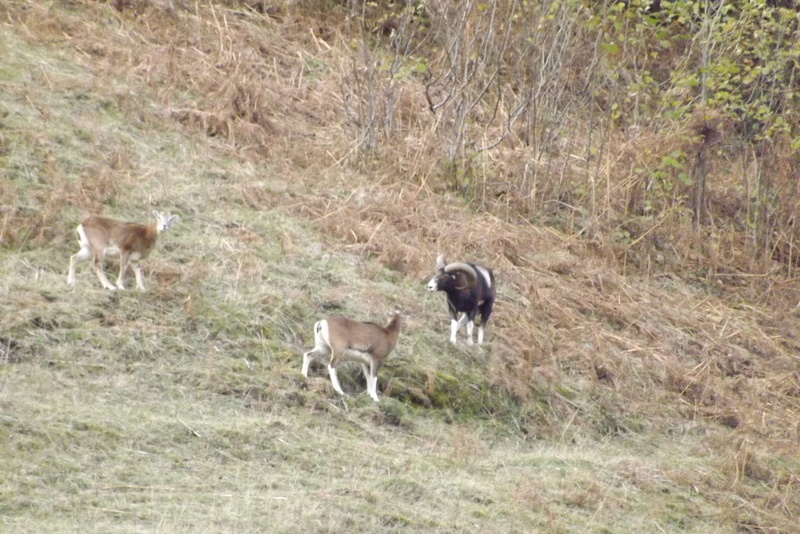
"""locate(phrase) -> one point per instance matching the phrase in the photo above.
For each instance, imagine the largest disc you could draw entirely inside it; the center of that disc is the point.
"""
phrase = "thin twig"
(192, 430)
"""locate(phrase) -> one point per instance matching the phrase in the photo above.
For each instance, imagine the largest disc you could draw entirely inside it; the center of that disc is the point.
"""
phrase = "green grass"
(122, 412)
(123, 446)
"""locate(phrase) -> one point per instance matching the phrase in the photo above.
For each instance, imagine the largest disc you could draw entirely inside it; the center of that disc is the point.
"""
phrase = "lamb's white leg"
(83, 254)
(374, 382)
(318, 352)
(371, 383)
(98, 269)
(367, 377)
(308, 357)
(335, 380)
(123, 266)
(371, 374)
(321, 346)
(138, 272)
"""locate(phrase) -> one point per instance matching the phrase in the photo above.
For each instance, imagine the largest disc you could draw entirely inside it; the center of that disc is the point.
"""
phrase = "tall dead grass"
(568, 317)
(276, 82)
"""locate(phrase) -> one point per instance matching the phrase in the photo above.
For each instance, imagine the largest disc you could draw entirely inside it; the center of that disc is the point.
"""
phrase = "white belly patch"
(111, 250)
(355, 355)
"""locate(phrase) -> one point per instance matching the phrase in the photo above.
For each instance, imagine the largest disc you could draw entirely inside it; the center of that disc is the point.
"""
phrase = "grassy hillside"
(607, 399)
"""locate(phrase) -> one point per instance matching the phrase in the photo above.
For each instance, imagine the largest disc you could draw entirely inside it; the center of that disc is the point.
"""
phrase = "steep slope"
(605, 401)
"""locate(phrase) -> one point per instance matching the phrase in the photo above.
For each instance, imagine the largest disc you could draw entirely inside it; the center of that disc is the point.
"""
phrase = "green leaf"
(610, 48)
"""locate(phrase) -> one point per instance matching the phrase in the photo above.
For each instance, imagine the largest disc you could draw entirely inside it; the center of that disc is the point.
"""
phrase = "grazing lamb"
(345, 339)
(470, 290)
(100, 237)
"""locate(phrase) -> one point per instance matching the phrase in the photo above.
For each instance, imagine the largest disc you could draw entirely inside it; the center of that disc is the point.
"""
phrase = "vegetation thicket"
(628, 170)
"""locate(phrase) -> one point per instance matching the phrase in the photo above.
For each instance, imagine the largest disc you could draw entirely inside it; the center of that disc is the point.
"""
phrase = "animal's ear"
(154, 213)
(174, 218)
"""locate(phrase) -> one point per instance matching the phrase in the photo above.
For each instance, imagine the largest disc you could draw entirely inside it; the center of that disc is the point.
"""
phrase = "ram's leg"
(485, 311)
(470, 328)
(453, 330)
(455, 326)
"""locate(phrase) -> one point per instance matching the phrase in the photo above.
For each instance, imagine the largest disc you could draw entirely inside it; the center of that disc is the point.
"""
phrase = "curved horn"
(464, 268)
(440, 262)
